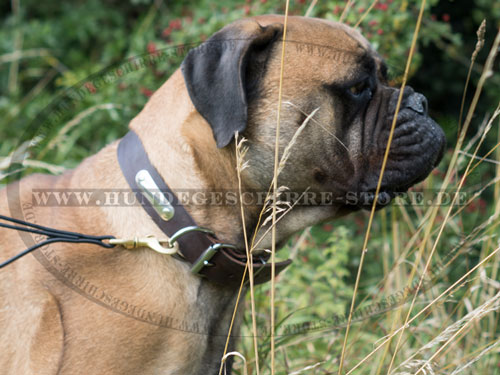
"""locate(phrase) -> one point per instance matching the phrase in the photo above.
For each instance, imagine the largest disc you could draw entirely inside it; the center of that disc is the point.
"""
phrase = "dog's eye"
(363, 90)
(359, 88)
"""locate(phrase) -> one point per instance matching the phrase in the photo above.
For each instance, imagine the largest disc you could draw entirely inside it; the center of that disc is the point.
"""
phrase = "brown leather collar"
(218, 262)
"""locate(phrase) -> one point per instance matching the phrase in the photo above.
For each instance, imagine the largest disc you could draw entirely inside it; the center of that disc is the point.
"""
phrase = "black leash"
(53, 235)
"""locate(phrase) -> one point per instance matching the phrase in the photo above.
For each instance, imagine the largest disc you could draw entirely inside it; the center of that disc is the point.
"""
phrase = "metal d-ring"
(186, 230)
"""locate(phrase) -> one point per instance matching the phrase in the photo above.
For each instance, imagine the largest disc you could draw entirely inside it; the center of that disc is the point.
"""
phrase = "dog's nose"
(415, 101)
(411, 100)
(418, 103)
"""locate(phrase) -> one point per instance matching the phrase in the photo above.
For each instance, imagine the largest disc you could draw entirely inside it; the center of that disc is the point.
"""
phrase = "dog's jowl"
(82, 309)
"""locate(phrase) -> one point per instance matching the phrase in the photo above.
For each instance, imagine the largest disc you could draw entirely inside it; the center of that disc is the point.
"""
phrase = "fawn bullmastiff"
(83, 309)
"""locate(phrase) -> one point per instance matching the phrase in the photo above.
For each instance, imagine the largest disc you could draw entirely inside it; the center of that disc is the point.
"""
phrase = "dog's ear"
(215, 75)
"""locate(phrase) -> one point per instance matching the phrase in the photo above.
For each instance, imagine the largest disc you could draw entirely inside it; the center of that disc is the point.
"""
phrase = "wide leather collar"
(209, 258)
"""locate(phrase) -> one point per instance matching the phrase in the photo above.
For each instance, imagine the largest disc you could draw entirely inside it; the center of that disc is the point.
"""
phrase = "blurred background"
(48, 47)
(54, 52)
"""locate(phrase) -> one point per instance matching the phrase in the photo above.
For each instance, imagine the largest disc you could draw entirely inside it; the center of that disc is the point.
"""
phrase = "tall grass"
(448, 325)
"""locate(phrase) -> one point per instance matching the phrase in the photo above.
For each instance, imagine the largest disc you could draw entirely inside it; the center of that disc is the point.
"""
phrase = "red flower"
(327, 227)
(372, 23)
(471, 207)
(446, 17)
(336, 10)
(176, 24)
(166, 32)
(90, 86)
(247, 9)
(380, 31)
(151, 47)
(146, 92)
(382, 6)
(265, 1)
(361, 10)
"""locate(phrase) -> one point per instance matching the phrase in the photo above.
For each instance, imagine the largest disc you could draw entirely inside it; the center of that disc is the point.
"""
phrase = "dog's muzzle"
(417, 147)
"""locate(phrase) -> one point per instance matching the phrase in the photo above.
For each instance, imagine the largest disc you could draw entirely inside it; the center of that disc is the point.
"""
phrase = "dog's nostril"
(418, 103)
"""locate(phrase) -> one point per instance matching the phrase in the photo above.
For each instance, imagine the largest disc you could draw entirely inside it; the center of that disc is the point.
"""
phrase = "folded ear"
(216, 75)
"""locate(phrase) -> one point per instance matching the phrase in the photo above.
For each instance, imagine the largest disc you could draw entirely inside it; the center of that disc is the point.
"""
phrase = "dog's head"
(233, 80)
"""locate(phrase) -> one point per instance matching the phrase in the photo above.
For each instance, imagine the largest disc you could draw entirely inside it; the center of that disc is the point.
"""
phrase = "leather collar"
(217, 262)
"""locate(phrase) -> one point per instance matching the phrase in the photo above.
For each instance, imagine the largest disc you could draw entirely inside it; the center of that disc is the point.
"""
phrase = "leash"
(53, 235)
(166, 246)
(216, 261)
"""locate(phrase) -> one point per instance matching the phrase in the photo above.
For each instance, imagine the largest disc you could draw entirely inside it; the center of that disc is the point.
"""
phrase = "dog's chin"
(396, 182)
(384, 198)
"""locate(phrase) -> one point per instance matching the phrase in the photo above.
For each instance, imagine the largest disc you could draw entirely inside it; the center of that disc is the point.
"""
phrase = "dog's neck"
(187, 158)
(183, 141)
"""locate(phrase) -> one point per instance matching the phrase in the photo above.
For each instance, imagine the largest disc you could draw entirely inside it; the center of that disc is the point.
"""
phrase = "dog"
(81, 309)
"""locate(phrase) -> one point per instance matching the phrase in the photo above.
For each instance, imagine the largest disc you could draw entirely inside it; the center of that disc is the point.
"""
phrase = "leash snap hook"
(162, 246)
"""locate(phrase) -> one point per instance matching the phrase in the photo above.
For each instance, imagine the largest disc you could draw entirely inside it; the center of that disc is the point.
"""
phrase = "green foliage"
(62, 45)
(49, 50)
(311, 292)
